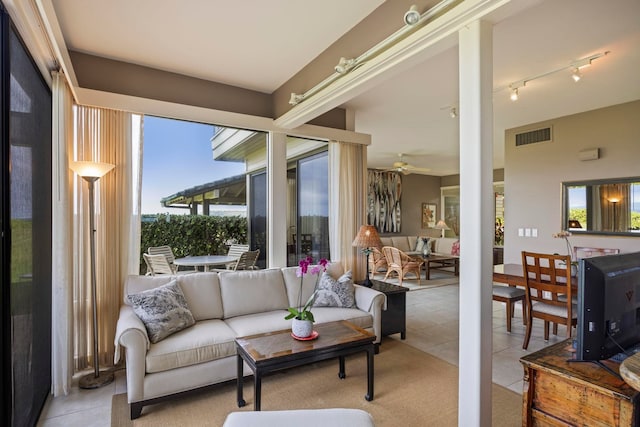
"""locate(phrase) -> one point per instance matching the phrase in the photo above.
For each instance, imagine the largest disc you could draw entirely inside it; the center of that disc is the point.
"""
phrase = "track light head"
(514, 94)
(412, 16)
(296, 98)
(345, 65)
(576, 75)
(453, 113)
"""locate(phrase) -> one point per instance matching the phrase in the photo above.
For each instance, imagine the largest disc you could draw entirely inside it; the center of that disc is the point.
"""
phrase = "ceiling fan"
(405, 168)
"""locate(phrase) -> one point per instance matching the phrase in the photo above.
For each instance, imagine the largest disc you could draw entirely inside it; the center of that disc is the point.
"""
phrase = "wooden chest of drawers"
(561, 392)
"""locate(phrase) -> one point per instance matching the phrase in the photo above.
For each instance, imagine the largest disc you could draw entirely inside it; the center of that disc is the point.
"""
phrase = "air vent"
(533, 136)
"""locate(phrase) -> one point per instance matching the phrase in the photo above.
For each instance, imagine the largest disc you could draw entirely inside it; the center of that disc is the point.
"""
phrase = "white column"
(476, 223)
(276, 200)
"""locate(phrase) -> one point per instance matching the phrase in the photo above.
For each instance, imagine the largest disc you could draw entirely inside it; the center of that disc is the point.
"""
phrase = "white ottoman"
(334, 417)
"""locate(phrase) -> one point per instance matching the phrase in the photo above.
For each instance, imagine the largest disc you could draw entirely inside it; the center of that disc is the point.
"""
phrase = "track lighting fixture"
(576, 66)
(453, 113)
(412, 16)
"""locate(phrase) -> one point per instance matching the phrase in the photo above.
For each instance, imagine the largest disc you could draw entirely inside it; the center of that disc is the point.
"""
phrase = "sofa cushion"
(252, 291)
(386, 241)
(259, 323)
(335, 292)
(356, 316)
(205, 341)
(443, 245)
(163, 310)
(202, 292)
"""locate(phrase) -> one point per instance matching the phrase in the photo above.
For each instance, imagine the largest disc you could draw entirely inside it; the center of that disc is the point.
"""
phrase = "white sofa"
(224, 305)
(407, 244)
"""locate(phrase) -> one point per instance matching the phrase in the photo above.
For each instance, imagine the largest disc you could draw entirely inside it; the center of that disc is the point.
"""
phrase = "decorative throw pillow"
(455, 248)
(163, 310)
(419, 244)
(335, 293)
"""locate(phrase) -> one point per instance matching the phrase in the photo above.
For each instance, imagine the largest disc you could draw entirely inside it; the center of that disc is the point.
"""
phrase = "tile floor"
(432, 326)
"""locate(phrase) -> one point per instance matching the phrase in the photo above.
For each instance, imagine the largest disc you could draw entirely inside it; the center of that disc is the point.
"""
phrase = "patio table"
(205, 261)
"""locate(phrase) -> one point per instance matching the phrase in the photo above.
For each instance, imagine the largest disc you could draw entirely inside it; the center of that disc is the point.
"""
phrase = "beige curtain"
(61, 236)
(348, 194)
(105, 136)
(614, 216)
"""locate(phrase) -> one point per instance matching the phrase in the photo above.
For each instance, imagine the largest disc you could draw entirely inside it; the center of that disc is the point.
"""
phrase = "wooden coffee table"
(441, 263)
(269, 352)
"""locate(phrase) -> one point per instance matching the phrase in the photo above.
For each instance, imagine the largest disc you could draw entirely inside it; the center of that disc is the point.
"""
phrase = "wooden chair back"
(549, 291)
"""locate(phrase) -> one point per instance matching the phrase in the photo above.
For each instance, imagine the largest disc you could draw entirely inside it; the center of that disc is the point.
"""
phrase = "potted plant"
(302, 324)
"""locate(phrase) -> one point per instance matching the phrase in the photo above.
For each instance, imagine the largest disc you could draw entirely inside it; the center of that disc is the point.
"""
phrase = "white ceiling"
(260, 45)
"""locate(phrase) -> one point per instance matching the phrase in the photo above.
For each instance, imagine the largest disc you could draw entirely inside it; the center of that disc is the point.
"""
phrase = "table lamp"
(91, 172)
(366, 239)
(441, 225)
(574, 223)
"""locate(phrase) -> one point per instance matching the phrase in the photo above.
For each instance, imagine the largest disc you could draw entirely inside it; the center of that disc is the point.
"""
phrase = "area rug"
(412, 388)
(437, 280)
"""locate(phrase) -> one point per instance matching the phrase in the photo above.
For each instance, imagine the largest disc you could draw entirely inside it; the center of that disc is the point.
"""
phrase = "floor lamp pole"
(97, 379)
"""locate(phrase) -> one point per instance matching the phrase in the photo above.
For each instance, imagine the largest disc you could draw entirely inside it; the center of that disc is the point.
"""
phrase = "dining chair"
(510, 295)
(401, 263)
(549, 291)
(377, 262)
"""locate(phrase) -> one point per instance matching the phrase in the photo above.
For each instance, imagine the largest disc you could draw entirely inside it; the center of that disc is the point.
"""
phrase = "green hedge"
(191, 234)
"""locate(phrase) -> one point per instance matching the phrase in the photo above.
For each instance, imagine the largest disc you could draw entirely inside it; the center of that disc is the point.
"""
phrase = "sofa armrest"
(132, 335)
(374, 302)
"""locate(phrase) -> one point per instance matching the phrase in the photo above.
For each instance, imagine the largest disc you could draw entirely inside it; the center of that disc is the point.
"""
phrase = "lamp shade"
(441, 225)
(367, 237)
(91, 169)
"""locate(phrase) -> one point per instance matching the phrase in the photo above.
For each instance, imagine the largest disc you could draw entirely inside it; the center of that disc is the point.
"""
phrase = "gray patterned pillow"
(163, 310)
(335, 293)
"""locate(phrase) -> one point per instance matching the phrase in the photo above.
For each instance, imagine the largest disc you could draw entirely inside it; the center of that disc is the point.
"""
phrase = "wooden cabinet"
(394, 317)
(559, 391)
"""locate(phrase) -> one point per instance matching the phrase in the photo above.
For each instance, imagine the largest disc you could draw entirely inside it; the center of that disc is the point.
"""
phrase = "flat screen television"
(608, 305)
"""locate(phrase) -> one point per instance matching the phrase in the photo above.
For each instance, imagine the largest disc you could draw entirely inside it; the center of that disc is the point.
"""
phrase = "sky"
(177, 155)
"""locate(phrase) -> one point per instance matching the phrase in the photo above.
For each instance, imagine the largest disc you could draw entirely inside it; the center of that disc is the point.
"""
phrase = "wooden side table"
(394, 318)
(559, 391)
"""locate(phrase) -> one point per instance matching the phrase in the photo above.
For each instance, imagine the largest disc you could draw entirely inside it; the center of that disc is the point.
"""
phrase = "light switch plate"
(534, 232)
(520, 232)
(527, 232)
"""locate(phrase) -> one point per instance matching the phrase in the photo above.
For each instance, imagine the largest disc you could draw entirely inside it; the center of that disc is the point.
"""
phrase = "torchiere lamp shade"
(91, 169)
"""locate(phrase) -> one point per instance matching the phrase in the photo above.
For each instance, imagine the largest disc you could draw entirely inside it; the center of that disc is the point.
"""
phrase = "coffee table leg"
(341, 374)
(369, 395)
(239, 382)
(257, 386)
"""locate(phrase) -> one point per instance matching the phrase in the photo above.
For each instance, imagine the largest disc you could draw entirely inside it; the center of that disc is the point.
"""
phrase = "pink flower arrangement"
(306, 266)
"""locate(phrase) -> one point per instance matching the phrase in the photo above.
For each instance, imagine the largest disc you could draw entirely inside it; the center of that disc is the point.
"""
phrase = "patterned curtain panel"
(383, 199)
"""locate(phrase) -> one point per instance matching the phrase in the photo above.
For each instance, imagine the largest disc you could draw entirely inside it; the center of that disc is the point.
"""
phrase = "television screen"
(608, 305)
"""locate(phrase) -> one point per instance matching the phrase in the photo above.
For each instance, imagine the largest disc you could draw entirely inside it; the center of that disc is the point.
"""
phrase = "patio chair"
(167, 252)
(157, 264)
(549, 292)
(235, 250)
(401, 263)
(247, 261)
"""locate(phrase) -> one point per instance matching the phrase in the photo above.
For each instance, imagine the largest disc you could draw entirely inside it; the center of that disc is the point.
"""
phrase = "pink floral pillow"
(455, 248)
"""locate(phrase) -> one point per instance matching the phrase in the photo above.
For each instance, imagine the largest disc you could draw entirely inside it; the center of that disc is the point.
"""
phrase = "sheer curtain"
(106, 136)
(62, 260)
(347, 203)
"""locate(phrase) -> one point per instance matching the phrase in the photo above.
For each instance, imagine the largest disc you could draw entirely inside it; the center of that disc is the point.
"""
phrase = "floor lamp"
(366, 239)
(91, 172)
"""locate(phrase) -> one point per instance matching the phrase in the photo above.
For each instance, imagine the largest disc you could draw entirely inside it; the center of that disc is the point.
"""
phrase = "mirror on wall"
(610, 206)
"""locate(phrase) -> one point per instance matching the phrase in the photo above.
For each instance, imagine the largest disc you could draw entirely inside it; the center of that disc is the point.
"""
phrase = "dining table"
(205, 261)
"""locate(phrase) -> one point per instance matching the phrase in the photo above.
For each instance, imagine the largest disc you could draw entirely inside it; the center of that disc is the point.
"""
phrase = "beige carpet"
(437, 280)
(412, 388)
